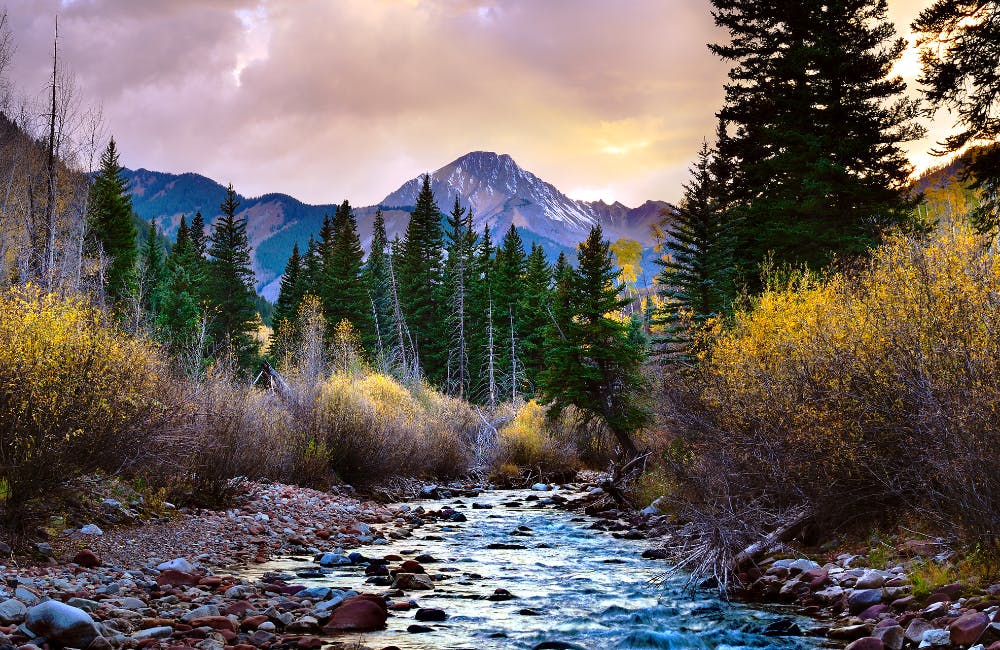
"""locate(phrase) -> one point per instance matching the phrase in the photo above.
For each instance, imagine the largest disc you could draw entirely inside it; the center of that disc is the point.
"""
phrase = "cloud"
(327, 100)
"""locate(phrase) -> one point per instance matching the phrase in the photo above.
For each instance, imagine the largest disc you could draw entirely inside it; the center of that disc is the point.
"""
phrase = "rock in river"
(62, 624)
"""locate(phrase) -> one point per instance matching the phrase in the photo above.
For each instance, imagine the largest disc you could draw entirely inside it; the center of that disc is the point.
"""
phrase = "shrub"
(373, 427)
(860, 395)
(527, 442)
(76, 396)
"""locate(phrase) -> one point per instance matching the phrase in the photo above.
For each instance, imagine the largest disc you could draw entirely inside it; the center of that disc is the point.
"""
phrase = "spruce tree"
(696, 282)
(291, 289)
(179, 317)
(111, 225)
(480, 311)
(230, 284)
(152, 269)
(594, 360)
(199, 238)
(508, 287)
(420, 284)
(817, 124)
(376, 280)
(533, 317)
(960, 55)
(340, 289)
(460, 246)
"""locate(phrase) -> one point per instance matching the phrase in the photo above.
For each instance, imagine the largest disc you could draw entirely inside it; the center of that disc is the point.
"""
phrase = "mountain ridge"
(494, 186)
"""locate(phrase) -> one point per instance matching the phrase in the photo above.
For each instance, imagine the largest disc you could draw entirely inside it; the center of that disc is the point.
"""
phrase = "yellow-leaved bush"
(373, 428)
(529, 444)
(75, 396)
(864, 392)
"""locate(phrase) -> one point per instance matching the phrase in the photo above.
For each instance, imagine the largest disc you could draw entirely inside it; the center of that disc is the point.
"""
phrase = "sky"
(334, 99)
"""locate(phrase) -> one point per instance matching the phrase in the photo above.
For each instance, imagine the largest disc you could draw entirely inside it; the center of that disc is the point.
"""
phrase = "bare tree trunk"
(48, 260)
(491, 360)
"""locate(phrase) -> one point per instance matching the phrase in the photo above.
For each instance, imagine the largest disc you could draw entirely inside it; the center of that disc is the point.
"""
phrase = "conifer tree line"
(198, 299)
(486, 322)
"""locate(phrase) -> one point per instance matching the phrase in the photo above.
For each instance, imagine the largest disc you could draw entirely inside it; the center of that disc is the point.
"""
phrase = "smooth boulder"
(357, 614)
(62, 624)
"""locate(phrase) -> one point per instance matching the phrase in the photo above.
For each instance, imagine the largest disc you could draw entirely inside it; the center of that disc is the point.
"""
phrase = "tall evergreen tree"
(340, 289)
(291, 289)
(230, 284)
(697, 277)
(199, 238)
(460, 246)
(152, 269)
(960, 55)
(508, 287)
(594, 360)
(817, 124)
(111, 224)
(376, 280)
(480, 316)
(533, 317)
(420, 283)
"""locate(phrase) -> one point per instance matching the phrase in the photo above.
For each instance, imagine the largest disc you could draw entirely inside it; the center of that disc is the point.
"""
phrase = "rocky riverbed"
(295, 568)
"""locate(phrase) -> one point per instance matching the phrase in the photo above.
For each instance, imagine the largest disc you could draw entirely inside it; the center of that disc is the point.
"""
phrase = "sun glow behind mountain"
(326, 100)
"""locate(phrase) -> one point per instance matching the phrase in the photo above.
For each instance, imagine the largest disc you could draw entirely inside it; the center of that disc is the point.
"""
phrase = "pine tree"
(532, 309)
(152, 270)
(593, 360)
(508, 286)
(696, 282)
(960, 55)
(180, 315)
(480, 316)
(420, 274)
(458, 269)
(376, 280)
(291, 289)
(111, 225)
(340, 289)
(230, 284)
(199, 238)
(817, 124)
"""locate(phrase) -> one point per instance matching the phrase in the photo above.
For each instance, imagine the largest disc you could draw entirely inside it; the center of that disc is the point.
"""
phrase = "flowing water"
(573, 585)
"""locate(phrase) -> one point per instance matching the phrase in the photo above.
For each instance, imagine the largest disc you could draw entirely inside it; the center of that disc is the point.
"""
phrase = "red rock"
(866, 643)
(401, 606)
(244, 646)
(967, 628)
(937, 597)
(228, 635)
(411, 566)
(392, 558)
(238, 607)
(357, 614)
(873, 612)
(210, 581)
(214, 622)
(994, 646)
(323, 534)
(310, 643)
(816, 578)
(250, 623)
(87, 558)
(256, 529)
(177, 578)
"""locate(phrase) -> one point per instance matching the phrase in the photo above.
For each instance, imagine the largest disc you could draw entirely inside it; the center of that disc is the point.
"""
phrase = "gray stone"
(12, 611)
(26, 596)
(333, 559)
(91, 529)
(177, 564)
(162, 632)
(862, 599)
(870, 580)
(84, 604)
(933, 638)
(802, 565)
(62, 623)
(199, 612)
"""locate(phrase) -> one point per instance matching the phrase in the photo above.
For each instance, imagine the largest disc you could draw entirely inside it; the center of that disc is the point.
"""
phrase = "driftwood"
(614, 484)
(275, 381)
(784, 533)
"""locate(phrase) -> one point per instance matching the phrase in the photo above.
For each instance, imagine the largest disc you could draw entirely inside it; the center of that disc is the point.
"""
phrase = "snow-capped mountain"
(493, 185)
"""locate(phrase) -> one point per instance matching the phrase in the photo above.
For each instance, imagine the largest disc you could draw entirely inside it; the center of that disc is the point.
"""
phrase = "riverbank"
(190, 581)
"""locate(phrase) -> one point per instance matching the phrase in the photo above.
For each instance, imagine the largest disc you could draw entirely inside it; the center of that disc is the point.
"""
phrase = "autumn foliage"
(860, 395)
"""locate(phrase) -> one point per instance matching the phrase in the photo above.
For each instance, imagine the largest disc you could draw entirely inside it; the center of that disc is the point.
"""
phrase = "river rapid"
(573, 587)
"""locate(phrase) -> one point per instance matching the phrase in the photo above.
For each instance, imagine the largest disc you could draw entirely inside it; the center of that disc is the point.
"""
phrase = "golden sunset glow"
(326, 100)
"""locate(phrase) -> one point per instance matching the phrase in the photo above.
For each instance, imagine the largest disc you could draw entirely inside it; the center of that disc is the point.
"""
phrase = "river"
(583, 588)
